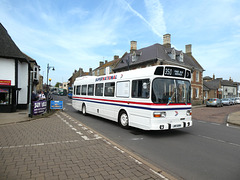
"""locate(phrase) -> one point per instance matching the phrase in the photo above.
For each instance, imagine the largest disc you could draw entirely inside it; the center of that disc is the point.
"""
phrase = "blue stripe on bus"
(137, 107)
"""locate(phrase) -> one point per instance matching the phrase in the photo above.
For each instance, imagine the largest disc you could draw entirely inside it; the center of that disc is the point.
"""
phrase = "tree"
(57, 84)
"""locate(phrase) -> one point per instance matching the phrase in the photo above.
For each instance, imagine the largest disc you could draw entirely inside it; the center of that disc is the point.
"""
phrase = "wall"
(23, 82)
(7, 70)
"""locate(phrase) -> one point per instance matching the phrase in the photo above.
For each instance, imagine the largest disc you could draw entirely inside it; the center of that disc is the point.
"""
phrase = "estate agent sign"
(39, 107)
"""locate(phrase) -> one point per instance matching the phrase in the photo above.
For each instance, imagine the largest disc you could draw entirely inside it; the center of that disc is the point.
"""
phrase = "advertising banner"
(39, 107)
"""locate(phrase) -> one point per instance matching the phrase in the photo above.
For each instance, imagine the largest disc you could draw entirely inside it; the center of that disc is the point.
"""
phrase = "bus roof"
(141, 72)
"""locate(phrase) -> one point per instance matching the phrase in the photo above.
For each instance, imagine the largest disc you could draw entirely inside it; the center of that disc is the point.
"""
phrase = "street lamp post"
(48, 68)
(48, 98)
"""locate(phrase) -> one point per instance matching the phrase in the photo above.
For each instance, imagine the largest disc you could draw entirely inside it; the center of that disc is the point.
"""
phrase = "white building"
(14, 75)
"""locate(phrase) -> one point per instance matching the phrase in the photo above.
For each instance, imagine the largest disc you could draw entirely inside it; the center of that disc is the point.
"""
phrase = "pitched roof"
(228, 83)
(8, 49)
(157, 52)
(214, 84)
(110, 63)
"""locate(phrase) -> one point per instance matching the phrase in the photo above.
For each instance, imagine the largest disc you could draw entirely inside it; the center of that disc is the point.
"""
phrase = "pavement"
(57, 146)
(60, 147)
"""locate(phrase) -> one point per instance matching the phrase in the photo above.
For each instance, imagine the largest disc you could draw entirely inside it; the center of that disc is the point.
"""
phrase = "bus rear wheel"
(84, 110)
(123, 120)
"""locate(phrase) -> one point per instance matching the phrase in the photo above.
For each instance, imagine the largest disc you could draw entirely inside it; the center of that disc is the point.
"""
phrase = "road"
(207, 150)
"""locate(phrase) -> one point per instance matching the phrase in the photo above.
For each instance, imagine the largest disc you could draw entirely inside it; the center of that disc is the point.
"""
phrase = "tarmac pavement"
(60, 147)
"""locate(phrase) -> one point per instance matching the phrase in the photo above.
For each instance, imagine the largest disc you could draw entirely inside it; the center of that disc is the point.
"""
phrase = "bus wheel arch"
(84, 109)
(123, 119)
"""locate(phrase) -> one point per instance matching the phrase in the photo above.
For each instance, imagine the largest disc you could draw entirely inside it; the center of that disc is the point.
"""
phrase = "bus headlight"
(189, 112)
(159, 114)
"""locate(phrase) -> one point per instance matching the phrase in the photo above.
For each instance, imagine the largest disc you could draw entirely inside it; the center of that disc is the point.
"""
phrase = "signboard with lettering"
(174, 71)
(5, 82)
(39, 107)
(56, 105)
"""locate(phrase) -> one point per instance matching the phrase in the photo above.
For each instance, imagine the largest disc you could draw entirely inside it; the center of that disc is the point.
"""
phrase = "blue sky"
(73, 34)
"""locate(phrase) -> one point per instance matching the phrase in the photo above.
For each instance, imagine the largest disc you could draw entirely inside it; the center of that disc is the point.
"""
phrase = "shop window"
(4, 96)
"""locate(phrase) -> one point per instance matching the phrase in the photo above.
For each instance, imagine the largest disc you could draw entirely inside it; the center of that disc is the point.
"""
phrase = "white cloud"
(155, 12)
(156, 19)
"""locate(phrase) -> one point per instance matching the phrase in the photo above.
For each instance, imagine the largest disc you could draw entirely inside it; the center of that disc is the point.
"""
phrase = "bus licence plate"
(177, 125)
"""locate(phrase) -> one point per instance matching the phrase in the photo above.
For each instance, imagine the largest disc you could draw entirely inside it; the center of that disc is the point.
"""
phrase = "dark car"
(214, 102)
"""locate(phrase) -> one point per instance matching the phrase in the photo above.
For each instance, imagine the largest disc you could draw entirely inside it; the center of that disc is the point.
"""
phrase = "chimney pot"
(167, 40)
(101, 63)
(116, 57)
(188, 49)
(133, 46)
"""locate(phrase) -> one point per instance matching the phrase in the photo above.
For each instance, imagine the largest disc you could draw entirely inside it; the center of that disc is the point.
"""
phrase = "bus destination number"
(172, 71)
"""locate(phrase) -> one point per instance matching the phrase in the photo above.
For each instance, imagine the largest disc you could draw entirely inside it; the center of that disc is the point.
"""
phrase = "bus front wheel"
(123, 119)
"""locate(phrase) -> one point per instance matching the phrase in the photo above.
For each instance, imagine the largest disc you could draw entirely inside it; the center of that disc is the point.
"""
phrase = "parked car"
(237, 100)
(214, 102)
(232, 101)
(226, 101)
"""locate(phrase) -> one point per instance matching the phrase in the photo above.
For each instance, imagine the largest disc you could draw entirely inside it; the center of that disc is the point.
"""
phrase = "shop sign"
(39, 107)
(5, 82)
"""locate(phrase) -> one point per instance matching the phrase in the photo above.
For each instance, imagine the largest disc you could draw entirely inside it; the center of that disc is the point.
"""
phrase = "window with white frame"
(196, 92)
(197, 76)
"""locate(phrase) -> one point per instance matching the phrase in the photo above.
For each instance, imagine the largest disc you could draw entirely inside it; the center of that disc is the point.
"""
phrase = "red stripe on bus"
(132, 102)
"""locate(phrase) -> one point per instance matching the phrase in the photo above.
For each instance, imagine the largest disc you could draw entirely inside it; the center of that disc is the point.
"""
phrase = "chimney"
(90, 71)
(213, 76)
(101, 63)
(116, 57)
(133, 46)
(106, 61)
(188, 49)
(167, 40)
(80, 72)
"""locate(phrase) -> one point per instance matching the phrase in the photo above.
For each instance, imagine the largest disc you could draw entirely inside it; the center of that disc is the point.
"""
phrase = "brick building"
(165, 54)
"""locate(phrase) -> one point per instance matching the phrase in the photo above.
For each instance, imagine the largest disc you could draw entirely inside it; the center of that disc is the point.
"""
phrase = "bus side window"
(123, 89)
(84, 90)
(99, 89)
(90, 89)
(140, 88)
(78, 90)
(109, 89)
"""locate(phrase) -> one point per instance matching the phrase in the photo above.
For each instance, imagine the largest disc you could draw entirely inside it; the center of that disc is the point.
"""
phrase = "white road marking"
(39, 144)
(219, 140)
(158, 174)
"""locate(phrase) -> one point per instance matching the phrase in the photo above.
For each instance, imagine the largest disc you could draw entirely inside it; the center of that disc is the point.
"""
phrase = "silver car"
(237, 100)
(214, 102)
(232, 101)
(226, 101)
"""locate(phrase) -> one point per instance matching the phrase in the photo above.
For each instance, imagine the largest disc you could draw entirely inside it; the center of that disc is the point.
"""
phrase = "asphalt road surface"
(207, 150)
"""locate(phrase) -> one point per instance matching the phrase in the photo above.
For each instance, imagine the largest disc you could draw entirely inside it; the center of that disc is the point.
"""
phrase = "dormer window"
(173, 54)
(181, 57)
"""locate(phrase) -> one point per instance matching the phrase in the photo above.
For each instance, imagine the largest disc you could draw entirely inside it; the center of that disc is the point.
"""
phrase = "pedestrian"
(34, 96)
(42, 96)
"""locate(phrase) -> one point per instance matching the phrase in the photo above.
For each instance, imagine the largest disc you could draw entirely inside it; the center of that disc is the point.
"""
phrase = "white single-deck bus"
(151, 98)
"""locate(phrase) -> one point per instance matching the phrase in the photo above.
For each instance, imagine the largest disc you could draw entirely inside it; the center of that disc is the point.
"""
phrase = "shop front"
(6, 96)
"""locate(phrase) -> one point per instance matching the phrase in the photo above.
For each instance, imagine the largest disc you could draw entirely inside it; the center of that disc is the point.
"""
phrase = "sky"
(73, 34)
